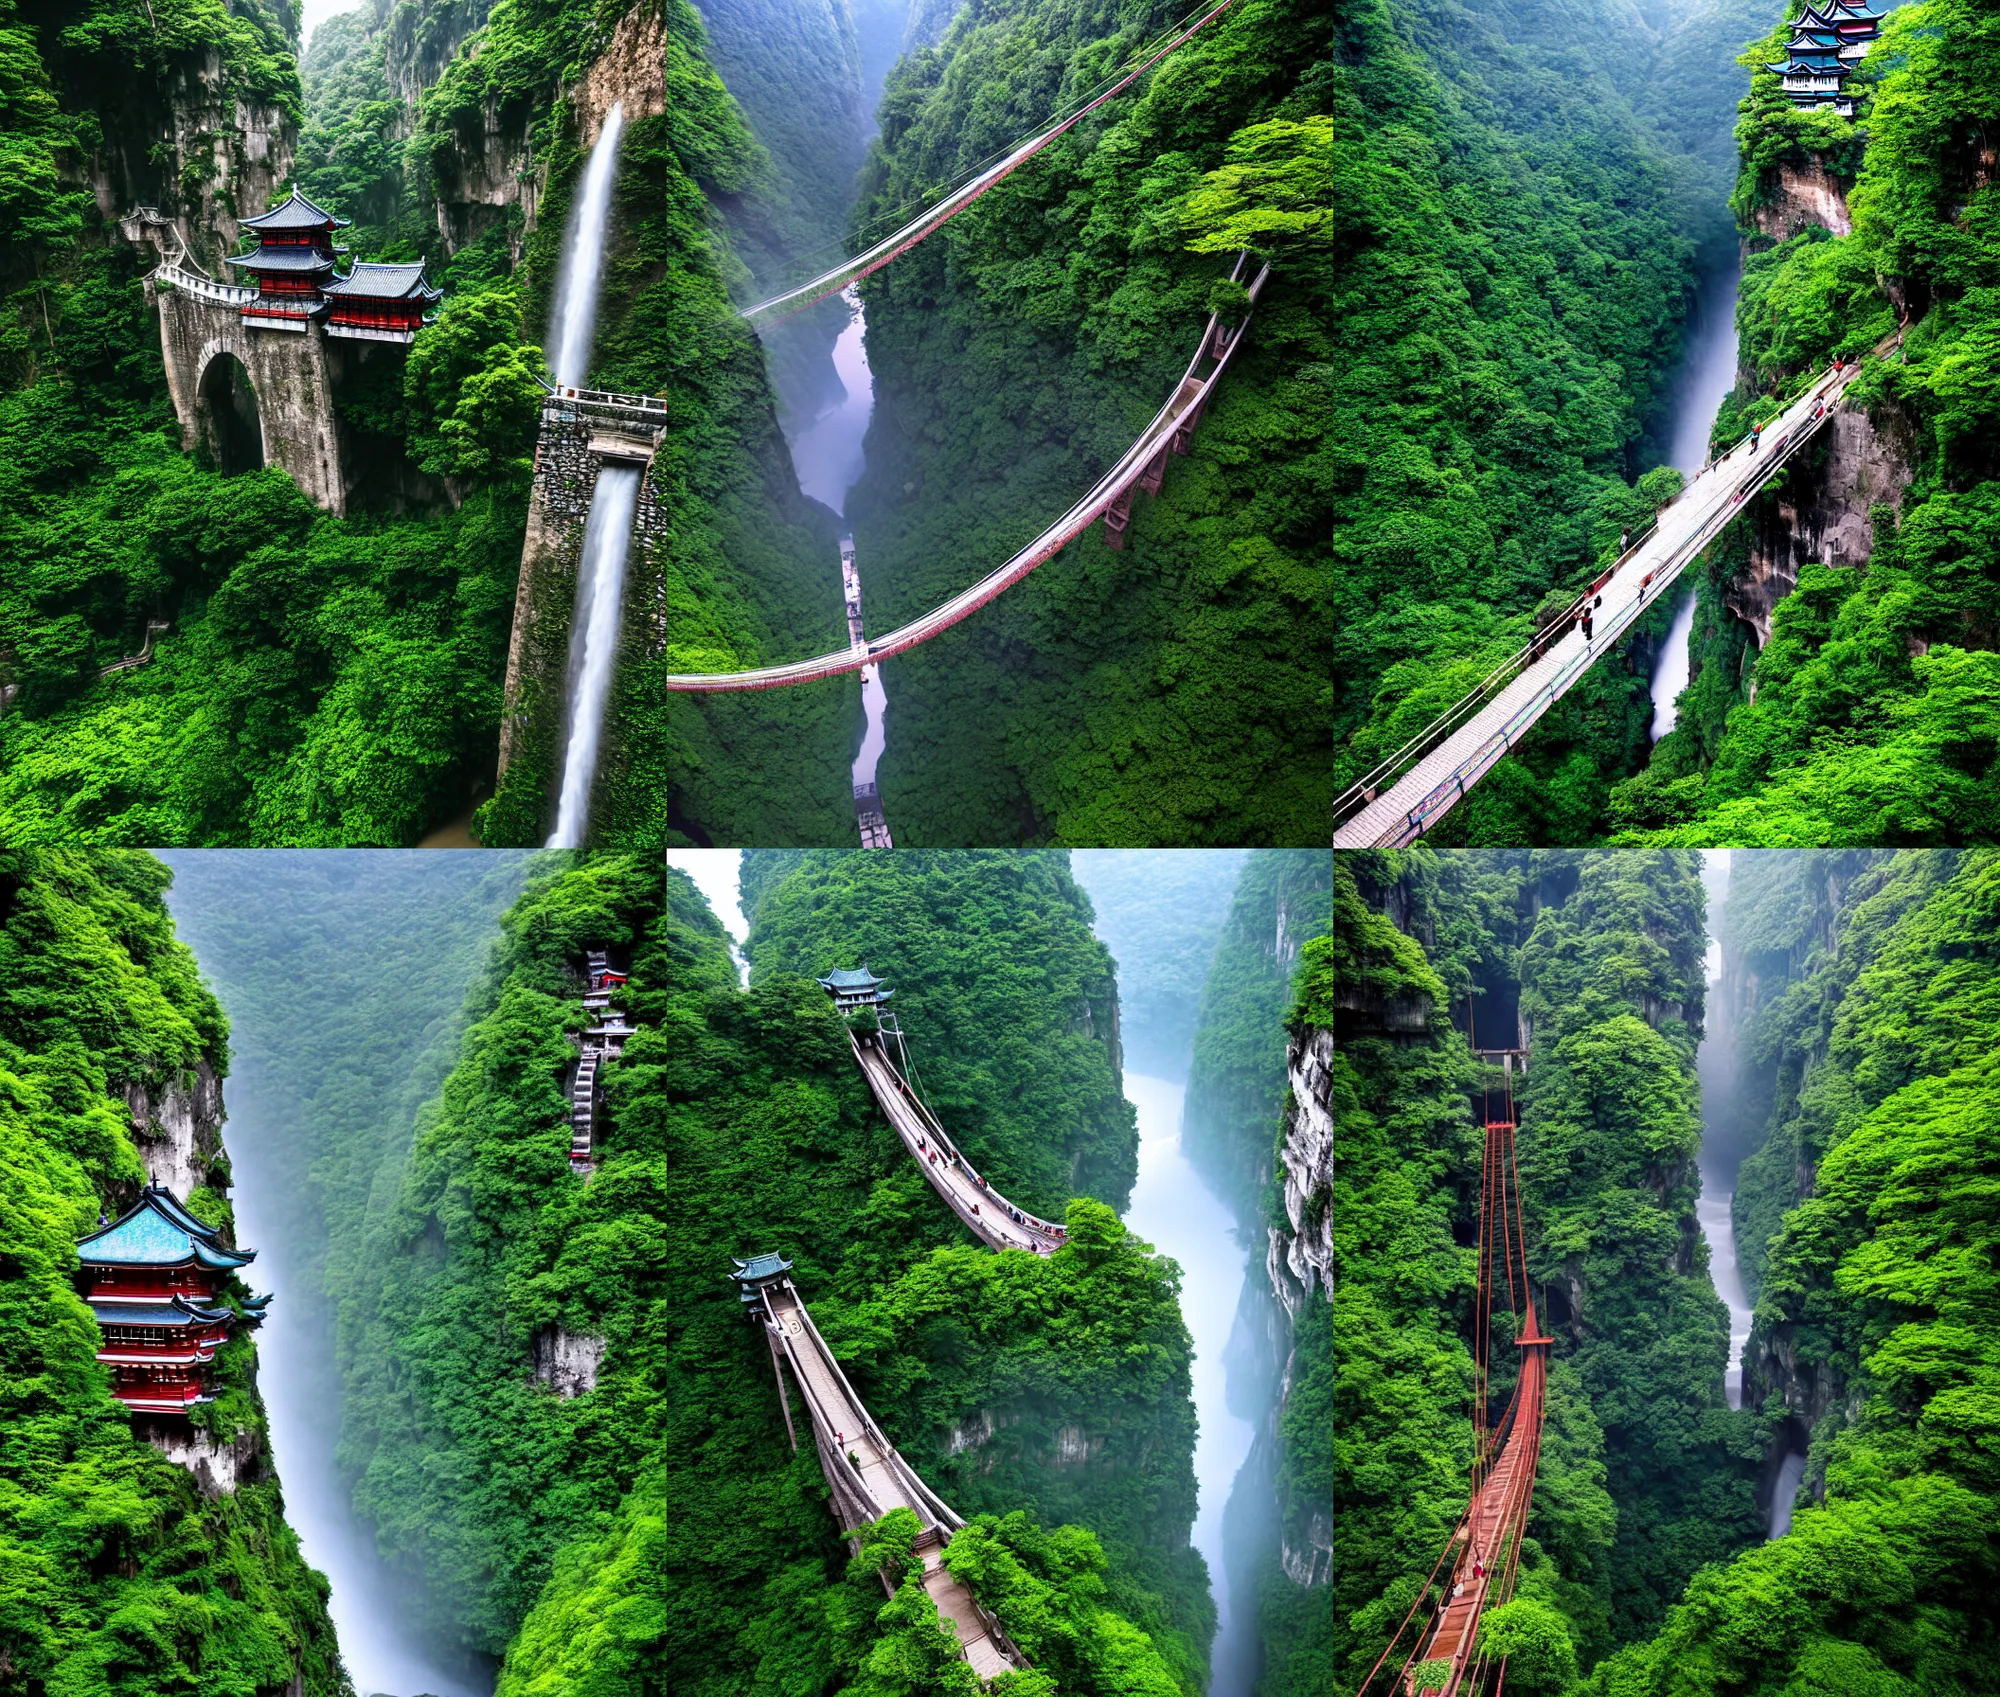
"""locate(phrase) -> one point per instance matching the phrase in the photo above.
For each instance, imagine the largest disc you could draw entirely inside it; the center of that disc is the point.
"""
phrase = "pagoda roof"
(158, 1232)
(297, 213)
(179, 1312)
(860, 978)
(1826, 38)
(372, 280)
(758, 1270)
(280, 259)
(1805, 68)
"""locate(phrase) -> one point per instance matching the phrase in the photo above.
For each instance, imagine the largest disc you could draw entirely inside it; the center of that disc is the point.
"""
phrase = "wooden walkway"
(1409, 793)
(868, 1477)
(994, 1220)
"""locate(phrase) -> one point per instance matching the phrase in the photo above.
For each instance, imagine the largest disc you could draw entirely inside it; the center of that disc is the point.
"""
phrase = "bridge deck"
(869, 1478)
(988, 1214)
(1429, 789)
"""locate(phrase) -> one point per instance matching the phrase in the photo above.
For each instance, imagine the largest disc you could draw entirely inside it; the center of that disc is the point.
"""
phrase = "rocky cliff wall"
(1300, 1257)
(197, 151)
(1862, 459)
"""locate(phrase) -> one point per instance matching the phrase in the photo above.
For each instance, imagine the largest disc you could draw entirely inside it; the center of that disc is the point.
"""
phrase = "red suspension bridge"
(1439, 1637)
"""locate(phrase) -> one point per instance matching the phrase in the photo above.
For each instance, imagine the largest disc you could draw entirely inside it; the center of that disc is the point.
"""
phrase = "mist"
(1159, 912)
(273, 933)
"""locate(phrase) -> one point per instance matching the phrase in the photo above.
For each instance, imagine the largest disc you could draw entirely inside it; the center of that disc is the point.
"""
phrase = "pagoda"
(379, 303)
(1829, 37)
(152, 1277)
(857, 989)
(294, 257)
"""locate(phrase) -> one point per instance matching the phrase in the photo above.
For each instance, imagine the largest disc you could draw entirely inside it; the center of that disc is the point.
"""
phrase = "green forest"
(1860, 988)
(119, 1575)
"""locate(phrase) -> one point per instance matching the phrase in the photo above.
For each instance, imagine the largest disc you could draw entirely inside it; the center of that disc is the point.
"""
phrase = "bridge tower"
(861, 992)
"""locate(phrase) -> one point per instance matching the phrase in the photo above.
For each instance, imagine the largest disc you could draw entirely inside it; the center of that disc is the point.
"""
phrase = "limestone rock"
(568, 1362)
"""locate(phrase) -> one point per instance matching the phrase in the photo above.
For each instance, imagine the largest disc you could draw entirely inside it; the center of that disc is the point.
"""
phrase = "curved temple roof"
(159, 1232)
(297, 213)
(280, 259)
(373, 280)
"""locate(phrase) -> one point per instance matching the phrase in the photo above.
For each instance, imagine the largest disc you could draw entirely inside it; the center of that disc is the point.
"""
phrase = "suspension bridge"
(864, 1471)
(1422, 781)
(851, 271)
(1142, 467)
(1481, 1558)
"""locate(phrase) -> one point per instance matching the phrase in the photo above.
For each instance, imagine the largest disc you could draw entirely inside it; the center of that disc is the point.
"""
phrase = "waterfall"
(600, 578)
(1706, 378)
(574, 326)
(593, 643)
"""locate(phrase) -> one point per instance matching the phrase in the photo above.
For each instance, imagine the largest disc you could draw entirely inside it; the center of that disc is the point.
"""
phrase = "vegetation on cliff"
(118, 1576)
(1877, 1296)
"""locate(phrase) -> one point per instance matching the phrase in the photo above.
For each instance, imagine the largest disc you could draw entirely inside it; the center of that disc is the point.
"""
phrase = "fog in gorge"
(1159, 912)
(1725, 1141)
(277, 934)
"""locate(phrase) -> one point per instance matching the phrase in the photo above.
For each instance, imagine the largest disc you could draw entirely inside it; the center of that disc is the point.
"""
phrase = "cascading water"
(575, 321)
(1721, 1155)
(1706, 379)
(600, 583)
(593, 643)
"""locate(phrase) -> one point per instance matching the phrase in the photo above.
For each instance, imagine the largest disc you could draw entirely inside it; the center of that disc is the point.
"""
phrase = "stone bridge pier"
(582, 431)
(251, 396)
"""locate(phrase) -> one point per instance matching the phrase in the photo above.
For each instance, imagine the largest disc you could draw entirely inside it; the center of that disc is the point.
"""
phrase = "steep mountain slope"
(1877, 1304)
(124, 1575)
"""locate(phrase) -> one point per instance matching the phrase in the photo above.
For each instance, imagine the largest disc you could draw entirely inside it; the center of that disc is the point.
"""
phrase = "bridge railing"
(229, 294)
(1157, 438)
(1385, 775)
(607, 398)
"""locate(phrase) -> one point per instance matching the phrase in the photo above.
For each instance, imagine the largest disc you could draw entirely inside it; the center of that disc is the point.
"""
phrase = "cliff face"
(1806, 194)
(1300, 1258)
(197, 150)
(1863, 459)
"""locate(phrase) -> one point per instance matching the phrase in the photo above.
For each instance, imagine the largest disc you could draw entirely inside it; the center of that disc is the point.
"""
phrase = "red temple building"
(295, 268)
(294, 256)
(379, 303)
(152, 1278)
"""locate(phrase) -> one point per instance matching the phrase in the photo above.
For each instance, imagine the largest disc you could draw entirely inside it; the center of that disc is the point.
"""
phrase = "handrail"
(927, 223)
(1120, 478)
(606, 398)
(230, 294)
(1368, 789)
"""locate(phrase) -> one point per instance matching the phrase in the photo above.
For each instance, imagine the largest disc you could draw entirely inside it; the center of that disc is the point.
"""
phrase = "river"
(827, 455)
(1707, 376)
(1174, 1211)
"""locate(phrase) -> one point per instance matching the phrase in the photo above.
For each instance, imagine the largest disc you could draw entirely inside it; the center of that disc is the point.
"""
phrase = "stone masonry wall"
(545, 601)
(288, 371)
